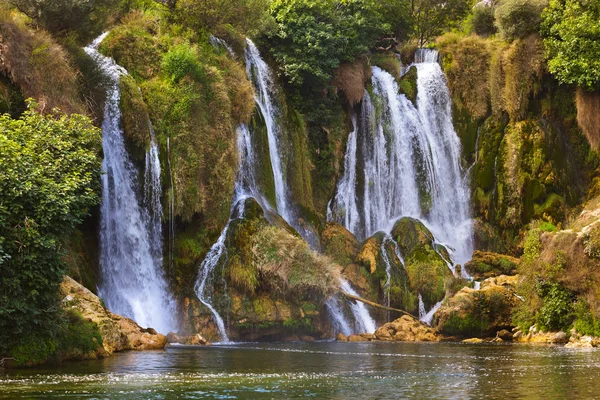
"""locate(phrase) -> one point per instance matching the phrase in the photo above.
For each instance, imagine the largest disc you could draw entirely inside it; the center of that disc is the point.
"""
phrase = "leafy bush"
(571, 34)
(585, 322)
(313, 37)
(432, 17)
(181, 61)
(483, 20)
(49, 179)
(516, 19)
(556, 312)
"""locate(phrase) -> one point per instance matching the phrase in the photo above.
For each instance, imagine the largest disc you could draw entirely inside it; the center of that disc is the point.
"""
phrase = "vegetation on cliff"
(49, 180)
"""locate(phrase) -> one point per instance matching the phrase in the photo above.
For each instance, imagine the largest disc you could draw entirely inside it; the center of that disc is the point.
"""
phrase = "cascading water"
(363, 322)
(131, 233)
(410, 161)
(258, 72)
(245, 186)
(427, 316)
(171, 248)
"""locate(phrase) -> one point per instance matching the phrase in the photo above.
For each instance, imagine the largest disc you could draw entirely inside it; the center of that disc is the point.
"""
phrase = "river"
(319, 370)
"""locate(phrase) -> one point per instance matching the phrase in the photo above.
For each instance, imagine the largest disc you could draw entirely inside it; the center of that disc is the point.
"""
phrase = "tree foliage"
(571, 31)
(432, 17)
(516, 19)
(49, 179)
(313, 37)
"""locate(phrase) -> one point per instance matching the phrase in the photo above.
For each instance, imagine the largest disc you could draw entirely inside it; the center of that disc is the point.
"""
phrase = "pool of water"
(319, 370)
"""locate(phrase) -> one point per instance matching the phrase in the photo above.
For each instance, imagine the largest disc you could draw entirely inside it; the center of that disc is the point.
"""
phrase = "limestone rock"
(505, 335)
(473, 340)
(486, 264)
(479, 313)
(339, 244)
(406, 329)
(341, 337)
(537, 336)
(118, 333)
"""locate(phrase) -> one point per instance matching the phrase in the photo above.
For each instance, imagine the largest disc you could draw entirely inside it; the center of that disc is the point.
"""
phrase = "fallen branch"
(376, 305)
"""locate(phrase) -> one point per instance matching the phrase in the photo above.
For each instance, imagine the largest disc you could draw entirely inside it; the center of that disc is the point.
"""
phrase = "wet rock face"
(486, 265)
(479, 313)
(406, 329)
(339, 244)
(118, 333)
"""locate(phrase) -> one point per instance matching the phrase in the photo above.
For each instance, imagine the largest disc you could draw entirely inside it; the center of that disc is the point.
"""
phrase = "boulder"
(356, 338)
(473, 340)
(479, 313)
(536, 335)
(172, 337)
(339, 243)
(341, 337)
(410, 233)
(118, 333)
(406, 329)
(487, 264)
(505, 335)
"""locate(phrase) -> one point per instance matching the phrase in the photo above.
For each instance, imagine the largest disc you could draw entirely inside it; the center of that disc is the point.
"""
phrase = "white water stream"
(132, 280)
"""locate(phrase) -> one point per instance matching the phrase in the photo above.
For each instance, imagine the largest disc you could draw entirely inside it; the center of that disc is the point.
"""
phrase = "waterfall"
(259, 73)
(132, 282)
(427, 316)
(336, 309)
(171, 248)
(364, 323)
(410, 161)
(244, 187)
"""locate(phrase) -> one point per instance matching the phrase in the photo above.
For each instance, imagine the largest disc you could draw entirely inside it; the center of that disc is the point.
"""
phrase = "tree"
(313, 37)
(516, 19)
(571, 32)
(86, 17)
(432, 17)
(49, 179)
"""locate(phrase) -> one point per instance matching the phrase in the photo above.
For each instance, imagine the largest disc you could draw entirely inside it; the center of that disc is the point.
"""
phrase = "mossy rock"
(552, 209)
(486, 264)
(339, 244)
(478, 313)
(410, 234)
(427, 273)
(388, 62)
(369, 252)
(134, 117)
(408, 84)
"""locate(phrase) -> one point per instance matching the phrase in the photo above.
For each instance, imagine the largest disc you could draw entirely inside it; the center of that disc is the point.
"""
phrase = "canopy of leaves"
(49, 179)
(571, 31)
(432, 17)
(313, 37)
(516, 19)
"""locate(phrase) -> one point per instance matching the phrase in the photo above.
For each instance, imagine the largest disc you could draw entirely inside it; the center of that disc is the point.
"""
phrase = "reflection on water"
(319, 370)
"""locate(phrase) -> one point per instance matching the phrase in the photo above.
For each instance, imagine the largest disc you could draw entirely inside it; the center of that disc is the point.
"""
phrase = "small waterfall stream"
(132, 281)
(410, 158)
(245, 186)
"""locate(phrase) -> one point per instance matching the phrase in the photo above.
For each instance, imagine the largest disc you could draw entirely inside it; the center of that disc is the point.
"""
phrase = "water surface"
(319, 370)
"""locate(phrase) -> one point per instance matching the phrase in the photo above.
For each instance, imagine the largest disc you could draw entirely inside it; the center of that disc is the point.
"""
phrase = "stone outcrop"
(118, 333)
(536, 335)
(406, 329)
(487, 264)
(479, 313)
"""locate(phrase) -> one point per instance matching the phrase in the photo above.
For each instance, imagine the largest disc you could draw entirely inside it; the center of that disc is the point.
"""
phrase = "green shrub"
(556, 312)
(77, 334)
(571, 35)
(181, 61)
(49, 180)
(585, 322)
(483, 20)
(516, 19)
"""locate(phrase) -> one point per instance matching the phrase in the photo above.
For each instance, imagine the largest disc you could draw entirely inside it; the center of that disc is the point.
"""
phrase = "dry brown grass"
(37, 65)
(523, 65)
(290, 268)
(467, 66)
(588, 115)
(350, 78)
